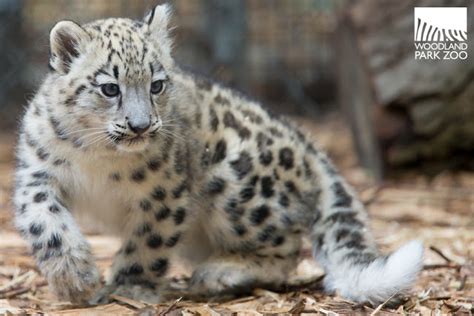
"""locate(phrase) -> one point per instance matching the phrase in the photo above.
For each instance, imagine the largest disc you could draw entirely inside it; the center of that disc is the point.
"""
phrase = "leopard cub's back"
(258, 184)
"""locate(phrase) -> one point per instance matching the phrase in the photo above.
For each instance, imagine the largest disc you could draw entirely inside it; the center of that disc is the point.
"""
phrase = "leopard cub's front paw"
(72, 278)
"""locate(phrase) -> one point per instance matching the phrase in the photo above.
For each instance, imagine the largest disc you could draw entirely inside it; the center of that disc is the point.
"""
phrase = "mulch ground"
(439, 211)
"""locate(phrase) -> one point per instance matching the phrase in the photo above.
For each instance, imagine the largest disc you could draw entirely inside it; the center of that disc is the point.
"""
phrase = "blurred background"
(304, 58)
(400, 130)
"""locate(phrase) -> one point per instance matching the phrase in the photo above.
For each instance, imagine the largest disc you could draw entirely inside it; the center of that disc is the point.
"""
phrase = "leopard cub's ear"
(157, 22)
(66, 40)
(158, 19)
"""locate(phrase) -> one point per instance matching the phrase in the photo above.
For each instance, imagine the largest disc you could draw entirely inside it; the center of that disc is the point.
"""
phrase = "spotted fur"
(179, 166)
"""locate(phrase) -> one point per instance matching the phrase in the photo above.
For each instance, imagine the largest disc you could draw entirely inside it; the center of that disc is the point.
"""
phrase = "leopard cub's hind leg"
(236, 273)
(239, 274)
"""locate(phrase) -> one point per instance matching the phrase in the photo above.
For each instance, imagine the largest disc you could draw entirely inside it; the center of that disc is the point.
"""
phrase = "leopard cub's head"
(111, 80)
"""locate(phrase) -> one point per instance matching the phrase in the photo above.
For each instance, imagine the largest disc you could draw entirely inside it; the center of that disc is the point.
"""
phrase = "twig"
(374, 196)
(463, 283)
(40, 284)
(326, 312)
(441, 266)
(382, 305)
(441, 254)
(16, 281)
(438, 298)
(298, 307)
(16, 292)
(166, 311)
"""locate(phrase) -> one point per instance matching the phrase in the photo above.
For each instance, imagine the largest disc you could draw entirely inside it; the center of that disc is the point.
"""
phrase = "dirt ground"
(439, 211)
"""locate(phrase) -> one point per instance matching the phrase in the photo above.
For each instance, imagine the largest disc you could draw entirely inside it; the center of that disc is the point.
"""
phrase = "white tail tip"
(381, 279)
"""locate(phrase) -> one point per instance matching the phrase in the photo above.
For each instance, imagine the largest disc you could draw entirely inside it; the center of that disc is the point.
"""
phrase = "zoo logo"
(440, 33)
(431, 26)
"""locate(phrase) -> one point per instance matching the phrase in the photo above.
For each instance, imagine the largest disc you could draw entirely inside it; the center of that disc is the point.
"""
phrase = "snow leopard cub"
(179, 167)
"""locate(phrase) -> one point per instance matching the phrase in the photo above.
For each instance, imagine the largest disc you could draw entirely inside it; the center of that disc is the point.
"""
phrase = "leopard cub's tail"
(342, 243)
(379, 279)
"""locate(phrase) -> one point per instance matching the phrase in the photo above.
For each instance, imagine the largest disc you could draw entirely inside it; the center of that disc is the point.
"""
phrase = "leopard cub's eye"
(157, 86)
(110, 90)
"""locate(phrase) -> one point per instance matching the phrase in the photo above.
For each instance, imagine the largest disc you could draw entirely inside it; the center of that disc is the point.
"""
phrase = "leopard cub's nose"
(139, 127)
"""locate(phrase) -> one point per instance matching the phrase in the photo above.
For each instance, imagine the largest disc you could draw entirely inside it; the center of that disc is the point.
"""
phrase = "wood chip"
(129, 301)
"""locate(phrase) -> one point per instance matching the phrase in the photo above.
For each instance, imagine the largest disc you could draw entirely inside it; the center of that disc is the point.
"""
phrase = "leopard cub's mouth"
(138, 143)
(137, 138)
(128, 143)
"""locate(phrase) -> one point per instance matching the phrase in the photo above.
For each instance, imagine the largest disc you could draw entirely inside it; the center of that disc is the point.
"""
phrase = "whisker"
(171, 134)
(170, 125)
(97, 140)
(169, 121)
(90, 134)
(93, 139)
(84, 130)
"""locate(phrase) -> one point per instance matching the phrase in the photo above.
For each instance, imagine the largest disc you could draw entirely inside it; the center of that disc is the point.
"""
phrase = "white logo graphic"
(440, 24)
(440, 33)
